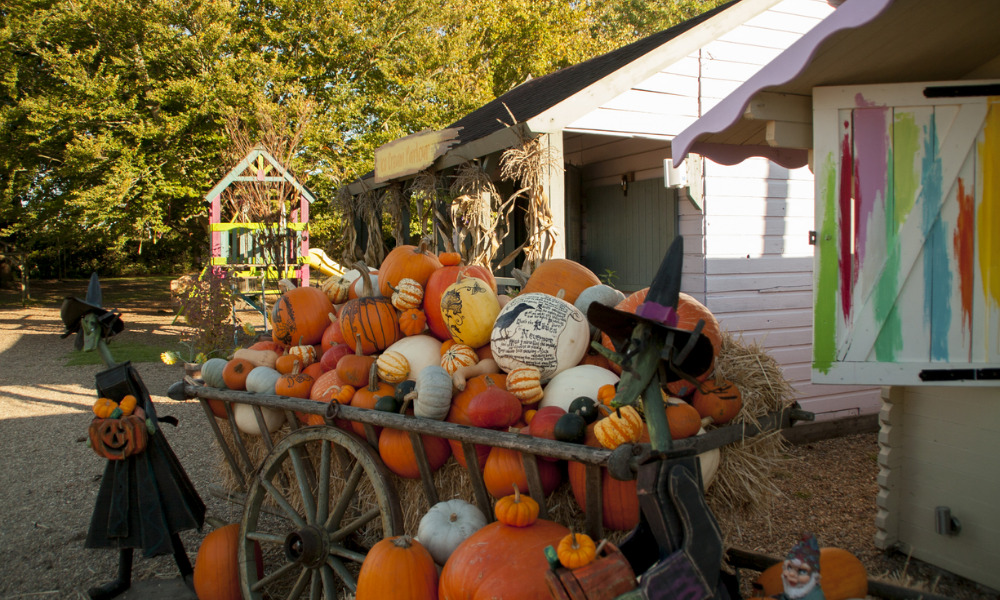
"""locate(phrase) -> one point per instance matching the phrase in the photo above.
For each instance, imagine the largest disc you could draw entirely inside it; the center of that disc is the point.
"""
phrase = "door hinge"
(812, 238)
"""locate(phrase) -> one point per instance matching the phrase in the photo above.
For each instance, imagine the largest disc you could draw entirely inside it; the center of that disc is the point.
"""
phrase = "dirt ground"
(50, 476)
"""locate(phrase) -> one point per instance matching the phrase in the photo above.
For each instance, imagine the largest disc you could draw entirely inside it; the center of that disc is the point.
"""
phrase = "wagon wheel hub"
(307, 546)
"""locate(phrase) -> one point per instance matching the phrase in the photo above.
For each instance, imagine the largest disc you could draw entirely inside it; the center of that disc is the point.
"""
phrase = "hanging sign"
(412, 154)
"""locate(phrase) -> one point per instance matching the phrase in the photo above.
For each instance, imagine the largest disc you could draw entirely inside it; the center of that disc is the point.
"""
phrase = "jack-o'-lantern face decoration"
(116, 439)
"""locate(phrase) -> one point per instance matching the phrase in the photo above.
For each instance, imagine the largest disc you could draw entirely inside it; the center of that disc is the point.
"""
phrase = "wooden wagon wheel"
(319, 501)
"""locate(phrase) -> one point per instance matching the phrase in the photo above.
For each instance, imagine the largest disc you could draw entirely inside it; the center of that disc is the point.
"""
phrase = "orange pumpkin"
(620, 502)
(412, 574)
(329, 387)
(366, 396)
(235, 373)
(682, 420)
(406, 262)
(286, 363)
(842, 576)
(458, 413)
(300, 316)
(450, 259)
(355, 369)
(368, 322)
(500, 561)
(412, 322)
(294, 385)
(397, 452)
(216, 570)
(561, 274)
(720, 400)
(505, 468)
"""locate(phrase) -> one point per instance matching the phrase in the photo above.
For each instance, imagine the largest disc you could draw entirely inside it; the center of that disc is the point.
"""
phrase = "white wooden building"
(746, 227)
(903, 131)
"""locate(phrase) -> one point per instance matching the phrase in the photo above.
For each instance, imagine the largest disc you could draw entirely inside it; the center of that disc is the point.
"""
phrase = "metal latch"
(812, 238)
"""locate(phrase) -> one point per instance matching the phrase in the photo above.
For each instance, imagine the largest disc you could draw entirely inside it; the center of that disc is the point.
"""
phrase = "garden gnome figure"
(145, 497)
(800, 571)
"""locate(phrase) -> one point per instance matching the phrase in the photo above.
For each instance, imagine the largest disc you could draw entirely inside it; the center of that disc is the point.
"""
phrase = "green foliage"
(124, 351)
(112, 112)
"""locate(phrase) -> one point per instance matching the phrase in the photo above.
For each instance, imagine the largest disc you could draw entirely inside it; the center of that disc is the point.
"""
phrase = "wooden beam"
(788, 134)
(772, 106)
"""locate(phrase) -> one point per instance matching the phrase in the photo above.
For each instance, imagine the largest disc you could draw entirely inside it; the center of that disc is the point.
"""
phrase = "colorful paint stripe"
(937, 264)
(988, 215)
(825, 310)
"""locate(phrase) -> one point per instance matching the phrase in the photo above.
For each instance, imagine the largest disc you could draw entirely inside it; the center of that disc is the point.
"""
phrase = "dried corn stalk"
(370, 212)
(476, 214)
(392, 199)
(526, 165)
(347, 206)
(423, 189)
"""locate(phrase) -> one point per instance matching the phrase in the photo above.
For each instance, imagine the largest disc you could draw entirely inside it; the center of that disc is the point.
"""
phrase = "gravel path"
(50, 476)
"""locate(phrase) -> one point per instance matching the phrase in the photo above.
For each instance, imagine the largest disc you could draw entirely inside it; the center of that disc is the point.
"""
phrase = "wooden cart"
(322, 495)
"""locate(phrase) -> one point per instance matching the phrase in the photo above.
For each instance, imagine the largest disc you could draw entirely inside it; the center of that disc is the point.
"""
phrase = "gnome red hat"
(806, 551)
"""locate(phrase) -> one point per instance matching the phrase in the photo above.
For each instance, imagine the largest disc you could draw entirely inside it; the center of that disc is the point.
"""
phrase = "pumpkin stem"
(407, 399)
(373, 377)
(517, 493)
(576, 545)
(367, 289)
(402, 541)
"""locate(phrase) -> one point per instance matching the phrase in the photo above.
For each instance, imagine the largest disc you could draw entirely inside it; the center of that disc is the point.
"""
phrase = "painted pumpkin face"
(116, 439)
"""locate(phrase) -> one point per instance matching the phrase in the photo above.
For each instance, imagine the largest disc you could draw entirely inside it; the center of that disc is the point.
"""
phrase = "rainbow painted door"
(907, 271)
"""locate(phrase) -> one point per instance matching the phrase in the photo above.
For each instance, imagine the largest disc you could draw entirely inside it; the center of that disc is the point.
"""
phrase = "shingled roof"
(537, 95)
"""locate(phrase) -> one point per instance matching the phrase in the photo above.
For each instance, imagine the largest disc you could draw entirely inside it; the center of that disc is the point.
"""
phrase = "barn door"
(907, 221)
(627, 230)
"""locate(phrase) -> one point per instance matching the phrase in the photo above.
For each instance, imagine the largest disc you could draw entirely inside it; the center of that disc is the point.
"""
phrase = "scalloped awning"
(862, 42)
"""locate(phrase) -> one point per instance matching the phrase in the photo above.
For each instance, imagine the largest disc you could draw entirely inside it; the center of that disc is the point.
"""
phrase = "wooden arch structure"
(236, 243)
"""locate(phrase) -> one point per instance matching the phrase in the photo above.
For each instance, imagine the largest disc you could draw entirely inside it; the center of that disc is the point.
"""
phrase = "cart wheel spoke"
(277, 574)
(329, 583)
(267, 538)
(300, 584)
(282, 502)
(346, 495)
(316, 589)
(314, 533)
(323, 493)
(338, 567)
(304, 477)
(354, 525)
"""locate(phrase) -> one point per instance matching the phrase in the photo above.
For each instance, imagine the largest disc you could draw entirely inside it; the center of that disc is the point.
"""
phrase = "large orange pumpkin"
(371, 321)
(398, 567)
(406, 262)
(300, 316)
(439, 282)
(689, 312)
(216, 571)
(561, 274)
(842, 576)
(458, 413)
(501, 561)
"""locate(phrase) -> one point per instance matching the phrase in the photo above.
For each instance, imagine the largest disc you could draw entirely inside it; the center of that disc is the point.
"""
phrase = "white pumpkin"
(246, 421)
(446, 525)
(581, 380)
(433, 393)
(602, 294)
(420, 351)
(541, 331)
(261, 380)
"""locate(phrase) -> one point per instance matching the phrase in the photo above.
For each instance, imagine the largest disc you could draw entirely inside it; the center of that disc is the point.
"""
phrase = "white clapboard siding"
(714, 70)
(758, 272)
(946, 455)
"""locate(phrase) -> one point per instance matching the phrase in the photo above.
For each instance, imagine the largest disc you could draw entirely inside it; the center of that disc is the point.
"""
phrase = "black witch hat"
(74, 309)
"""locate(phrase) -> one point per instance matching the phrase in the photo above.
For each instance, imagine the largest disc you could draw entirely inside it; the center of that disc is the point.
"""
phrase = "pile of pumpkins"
(427, 335)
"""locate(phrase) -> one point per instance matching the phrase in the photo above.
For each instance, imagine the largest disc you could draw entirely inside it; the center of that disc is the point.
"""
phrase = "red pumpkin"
(458, 413)
(500, 561)
(333, 334)
(397, 452)
(333, 354)
(493, 408)
(300, 316)
(438, 282)
(406, 262)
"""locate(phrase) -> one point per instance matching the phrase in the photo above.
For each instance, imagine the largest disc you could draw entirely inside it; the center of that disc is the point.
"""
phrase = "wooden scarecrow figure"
(145, 497)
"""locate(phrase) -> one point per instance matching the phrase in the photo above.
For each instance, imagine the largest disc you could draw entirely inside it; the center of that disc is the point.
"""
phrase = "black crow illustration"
(507, 319)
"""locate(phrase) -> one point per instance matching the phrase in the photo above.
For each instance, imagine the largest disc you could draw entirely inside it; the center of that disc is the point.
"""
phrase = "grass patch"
(125, 351)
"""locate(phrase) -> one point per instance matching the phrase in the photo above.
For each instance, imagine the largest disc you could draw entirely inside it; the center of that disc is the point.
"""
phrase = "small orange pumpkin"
(458, 355)
(412, 322)
(620, 427)
(576, 550)
(720, 400)
(407, 294)
(516, 510)
(235, 373)
(525, 383)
